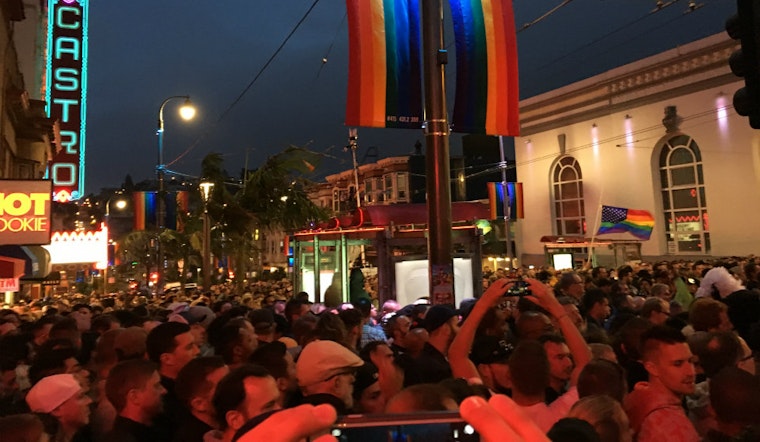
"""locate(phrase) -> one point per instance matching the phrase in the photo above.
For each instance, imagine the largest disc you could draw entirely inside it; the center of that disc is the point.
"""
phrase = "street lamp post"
(206, 188)
(187, 112)
(120, 204)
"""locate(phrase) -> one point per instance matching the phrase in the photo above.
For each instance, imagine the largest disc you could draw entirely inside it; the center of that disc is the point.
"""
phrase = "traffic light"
(745, 62)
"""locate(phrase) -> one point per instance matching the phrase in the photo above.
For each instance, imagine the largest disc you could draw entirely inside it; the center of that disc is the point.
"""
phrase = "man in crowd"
(135, 390)
(431, 366)
(171, 346)
(241, 395)
(654, 408)
(276, 359)
(325, 372)
(196, 384)
(62, 397)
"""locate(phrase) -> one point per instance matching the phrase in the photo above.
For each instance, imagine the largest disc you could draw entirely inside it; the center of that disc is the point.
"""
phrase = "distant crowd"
(647, 352)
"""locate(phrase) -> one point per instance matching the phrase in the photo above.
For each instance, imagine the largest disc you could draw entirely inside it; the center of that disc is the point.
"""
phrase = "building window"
(684, 204)
(388, 188)
(567, 187)
(402, 186)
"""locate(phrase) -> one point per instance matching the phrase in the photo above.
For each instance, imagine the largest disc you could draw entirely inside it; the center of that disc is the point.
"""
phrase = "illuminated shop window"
(567, 194)
(684, 204)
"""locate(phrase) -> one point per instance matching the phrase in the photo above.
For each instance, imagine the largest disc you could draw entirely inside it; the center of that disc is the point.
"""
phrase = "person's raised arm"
(459, 351)
(544, 297)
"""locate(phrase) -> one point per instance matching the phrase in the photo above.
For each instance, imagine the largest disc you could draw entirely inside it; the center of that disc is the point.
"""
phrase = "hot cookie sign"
(25, 210)
(66, 93)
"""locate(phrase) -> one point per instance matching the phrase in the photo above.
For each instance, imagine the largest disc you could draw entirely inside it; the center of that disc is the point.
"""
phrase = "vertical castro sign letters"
(66, 94)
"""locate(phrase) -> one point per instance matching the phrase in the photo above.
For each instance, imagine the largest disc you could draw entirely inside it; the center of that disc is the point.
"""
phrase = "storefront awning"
(11, 267)
(53, 278)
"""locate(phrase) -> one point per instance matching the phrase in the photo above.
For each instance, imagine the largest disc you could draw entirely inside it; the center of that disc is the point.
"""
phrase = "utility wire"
(544, 16)
(249, 86)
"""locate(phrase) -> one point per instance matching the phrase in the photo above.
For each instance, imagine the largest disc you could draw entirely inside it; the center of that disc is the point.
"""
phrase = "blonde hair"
(606, 415)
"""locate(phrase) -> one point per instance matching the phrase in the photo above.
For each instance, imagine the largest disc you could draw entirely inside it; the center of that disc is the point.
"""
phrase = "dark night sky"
(142, 51)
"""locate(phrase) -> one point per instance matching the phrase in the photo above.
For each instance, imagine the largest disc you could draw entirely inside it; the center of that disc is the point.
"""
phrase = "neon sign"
(66, 94)
(25, 212)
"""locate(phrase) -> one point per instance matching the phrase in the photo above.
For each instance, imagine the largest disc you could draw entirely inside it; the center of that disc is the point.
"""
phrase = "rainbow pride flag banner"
(487, 92)
(384, 69)
(514, 197)
(638, 223)
(145, 210)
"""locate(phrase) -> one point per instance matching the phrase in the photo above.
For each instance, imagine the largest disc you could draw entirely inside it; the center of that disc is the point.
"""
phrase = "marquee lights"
(66, 94)
(79, 247)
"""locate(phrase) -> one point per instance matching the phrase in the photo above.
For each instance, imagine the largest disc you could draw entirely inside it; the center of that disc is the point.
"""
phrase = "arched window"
(567, 187)
(684, 205)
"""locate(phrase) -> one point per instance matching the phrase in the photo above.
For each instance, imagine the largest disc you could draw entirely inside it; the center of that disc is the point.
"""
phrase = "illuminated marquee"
(66, 94)
(80, 247)
(25, 210)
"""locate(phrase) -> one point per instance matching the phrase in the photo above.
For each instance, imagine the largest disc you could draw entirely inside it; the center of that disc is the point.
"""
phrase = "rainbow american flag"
(487, 92)
(384, 69)
(638, 223)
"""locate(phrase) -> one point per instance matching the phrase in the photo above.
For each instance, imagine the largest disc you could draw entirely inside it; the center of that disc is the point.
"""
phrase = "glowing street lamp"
(120, 204)
(186, 112)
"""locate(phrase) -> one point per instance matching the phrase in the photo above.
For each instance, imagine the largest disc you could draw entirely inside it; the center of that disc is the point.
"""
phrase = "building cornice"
(687, 69)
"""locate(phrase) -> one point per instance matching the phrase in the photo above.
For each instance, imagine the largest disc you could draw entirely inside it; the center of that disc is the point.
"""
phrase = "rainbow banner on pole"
(145, 209)
(514, 197)
(384, 69)
(638, 223)
(487, 92)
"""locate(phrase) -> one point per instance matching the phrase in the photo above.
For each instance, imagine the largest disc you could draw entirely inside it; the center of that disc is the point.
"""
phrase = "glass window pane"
(685, 198)
(558, 210)
(669, 224)
(570, 209)
(690, 243)
(700, 175)
(705, 221)
(559, 227)
(681, 155)
(572, 227)
(702, 197)
(664, 178)
(664, 155)
(569, 190)
(666, 200)
(583, 209)
(557, 170)
(707, 247)
(557, 195)
(683, 176)
(568, 174)
(688, 220)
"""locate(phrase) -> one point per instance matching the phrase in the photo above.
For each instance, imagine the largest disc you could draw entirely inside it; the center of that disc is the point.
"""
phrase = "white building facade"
(660, 135)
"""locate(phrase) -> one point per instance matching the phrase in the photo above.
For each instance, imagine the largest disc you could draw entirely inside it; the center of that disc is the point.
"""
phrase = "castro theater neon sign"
(66, 94)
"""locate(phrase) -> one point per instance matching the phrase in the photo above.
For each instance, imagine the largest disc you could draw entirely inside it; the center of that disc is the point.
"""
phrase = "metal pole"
(160, 215)
(505, 202)
(437, 166)
(206, 249)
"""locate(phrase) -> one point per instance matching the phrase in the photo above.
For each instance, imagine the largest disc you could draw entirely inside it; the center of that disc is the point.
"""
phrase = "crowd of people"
(650, 352)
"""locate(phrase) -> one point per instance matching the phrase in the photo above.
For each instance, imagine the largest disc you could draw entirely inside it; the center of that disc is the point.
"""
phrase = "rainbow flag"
(638, 223)
(384, 69)
(487, 92)
(145, 209)
(496, 200)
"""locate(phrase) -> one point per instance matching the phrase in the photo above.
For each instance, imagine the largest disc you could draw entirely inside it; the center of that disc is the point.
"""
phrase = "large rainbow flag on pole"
(638, 223)
(487, 93)
(384, 69)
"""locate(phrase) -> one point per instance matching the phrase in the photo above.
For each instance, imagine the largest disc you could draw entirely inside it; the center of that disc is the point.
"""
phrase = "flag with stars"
(638, 223)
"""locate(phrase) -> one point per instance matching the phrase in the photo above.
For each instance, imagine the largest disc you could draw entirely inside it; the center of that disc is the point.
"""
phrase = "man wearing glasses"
(325, 372)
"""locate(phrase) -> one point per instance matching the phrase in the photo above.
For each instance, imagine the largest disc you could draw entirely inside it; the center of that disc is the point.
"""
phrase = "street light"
(187, 112)
(206, 188)
(121, 203)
